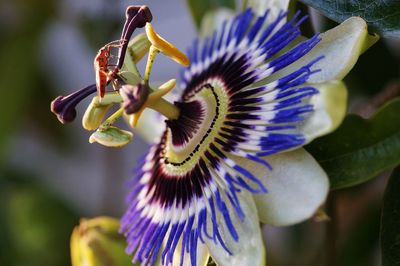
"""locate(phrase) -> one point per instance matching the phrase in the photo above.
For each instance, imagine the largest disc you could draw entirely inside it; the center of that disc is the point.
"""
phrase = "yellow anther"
(155, 101)
(165, 47)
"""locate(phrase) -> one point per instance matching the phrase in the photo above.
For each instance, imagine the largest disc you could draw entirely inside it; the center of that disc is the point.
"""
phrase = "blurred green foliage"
(358, 246)
(20, 74)
(35, 224)
(200, 8)
(390, 229)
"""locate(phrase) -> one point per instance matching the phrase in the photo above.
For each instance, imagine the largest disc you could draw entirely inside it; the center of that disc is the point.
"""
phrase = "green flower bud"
(111, 137)
(96, 242)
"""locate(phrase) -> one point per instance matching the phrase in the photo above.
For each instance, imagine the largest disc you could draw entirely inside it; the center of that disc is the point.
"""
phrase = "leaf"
(390, 229)
(382, 16)
(200, 8)
(360, 149)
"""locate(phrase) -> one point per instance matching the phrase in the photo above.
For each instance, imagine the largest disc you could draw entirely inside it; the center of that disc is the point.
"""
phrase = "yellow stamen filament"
(165, 47)
(150, 60)
(111, 120)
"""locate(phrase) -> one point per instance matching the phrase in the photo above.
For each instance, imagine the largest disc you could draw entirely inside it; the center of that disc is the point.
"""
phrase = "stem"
(111, 120)
(150, 60)
(331, 231)
(166, 108)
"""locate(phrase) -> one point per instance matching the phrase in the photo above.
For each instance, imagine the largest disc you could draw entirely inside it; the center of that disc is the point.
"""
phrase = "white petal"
(214, 19)
(275, 6)
(249, 249)
(150, 126)
(341, 47)
(296, 186)
(330, 106)
(202, 255)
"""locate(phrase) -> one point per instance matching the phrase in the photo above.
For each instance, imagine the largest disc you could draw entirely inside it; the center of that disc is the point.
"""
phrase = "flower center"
(202, 114)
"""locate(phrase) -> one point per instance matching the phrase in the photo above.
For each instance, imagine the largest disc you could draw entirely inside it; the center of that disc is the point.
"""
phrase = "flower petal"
(213, 20)
(202, 255)
(297, 186)
(249, 250)
(330, 106)
(340, 46)
(275, 6)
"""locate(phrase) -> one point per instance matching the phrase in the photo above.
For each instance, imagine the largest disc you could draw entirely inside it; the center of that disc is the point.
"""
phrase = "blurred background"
(50, 175)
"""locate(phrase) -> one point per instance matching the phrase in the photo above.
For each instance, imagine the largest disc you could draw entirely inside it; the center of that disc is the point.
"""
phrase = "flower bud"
(96, 242)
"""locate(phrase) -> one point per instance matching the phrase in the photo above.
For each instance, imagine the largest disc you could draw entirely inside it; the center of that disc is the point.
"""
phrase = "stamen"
(97, 109)
(64, 107)
(111, 119)
(165, 47)
(150, 60)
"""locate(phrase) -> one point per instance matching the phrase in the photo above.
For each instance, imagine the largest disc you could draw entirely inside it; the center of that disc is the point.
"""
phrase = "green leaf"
(390, 229)
(360, 149)
(200, 8)
(382, 16)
